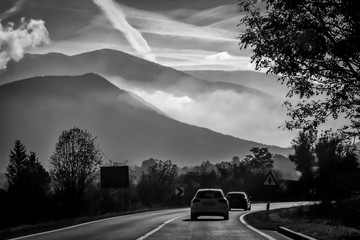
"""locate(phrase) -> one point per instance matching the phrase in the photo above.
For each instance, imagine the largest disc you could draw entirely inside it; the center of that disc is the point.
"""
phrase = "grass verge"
(299, 220)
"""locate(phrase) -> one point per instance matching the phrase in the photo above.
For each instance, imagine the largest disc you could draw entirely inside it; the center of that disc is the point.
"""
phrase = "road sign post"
(269, 181)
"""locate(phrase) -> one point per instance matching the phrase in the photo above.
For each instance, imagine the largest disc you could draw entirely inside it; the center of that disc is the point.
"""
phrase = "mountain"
(38, 109)
(222, 106)
(258, 80)
(118, 66)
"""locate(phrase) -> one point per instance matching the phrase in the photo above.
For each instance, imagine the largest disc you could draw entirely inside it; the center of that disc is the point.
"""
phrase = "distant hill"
(113, 64)
(214, 103)
(257, 80)
(36, 110)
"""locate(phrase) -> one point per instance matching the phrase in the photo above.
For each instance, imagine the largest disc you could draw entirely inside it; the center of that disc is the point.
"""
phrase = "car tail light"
(196, 200)
(222, 201)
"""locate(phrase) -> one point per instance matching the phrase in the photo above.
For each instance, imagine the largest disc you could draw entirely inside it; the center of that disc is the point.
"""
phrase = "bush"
(351, 210)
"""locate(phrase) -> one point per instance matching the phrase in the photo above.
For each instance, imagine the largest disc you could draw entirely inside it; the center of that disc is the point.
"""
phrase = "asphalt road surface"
(164, 224)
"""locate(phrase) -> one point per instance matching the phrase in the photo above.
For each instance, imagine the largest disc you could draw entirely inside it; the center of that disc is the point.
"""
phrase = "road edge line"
(158, 228)
(74, 226)
(242, 220)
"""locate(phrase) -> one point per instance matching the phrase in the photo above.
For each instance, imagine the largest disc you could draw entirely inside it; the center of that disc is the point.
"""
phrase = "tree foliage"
(303, 157)
(157, 185)
(338, 166)
(327, 162)
(313, 46)
(14, 170)
(260, 158)
(74, 165)
(28, 183)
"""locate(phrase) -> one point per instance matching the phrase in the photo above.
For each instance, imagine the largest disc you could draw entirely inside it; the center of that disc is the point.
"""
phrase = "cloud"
(242, 115)
(160, 24)
(220, 57)
(14, 43)
(226, 111)
(118, 19)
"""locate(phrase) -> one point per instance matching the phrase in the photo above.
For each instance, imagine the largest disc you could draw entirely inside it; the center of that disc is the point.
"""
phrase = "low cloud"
(15, 42)
(114, 13)
(242, 115)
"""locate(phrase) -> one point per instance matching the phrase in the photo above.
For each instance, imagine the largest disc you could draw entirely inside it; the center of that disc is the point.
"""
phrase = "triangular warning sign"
(270, 180)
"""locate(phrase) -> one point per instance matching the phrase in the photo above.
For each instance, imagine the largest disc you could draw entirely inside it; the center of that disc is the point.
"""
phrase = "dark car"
(238, 200)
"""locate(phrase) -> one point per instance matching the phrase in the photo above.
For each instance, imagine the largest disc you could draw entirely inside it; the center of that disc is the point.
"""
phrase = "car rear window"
(236, 196)
(209, 194)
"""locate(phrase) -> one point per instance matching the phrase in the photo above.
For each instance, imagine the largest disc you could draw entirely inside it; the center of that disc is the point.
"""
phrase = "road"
(163, 224)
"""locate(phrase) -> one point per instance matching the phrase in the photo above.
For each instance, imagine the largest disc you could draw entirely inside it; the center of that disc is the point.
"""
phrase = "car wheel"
(226, 217)
(193, 217)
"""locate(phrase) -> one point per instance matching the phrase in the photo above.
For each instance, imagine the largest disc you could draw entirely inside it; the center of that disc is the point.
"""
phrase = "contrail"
(117, 18)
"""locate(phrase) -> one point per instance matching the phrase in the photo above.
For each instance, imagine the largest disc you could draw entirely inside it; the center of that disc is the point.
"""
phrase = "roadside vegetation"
(312, 46)
(311, 220)
(71, 189)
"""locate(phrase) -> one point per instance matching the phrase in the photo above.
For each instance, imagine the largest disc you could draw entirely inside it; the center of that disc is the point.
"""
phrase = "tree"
(74, 165)
(303, 156)
(261, 158)
(38, 179)
(15, 168)
(157, 186)
(28, 184)
(338, 166)
(313, 46)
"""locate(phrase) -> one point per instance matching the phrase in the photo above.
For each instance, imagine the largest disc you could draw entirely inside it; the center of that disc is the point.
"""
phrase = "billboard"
(114, 177)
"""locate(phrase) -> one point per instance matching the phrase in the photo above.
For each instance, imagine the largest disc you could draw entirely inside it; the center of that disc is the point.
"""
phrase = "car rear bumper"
(200, 211)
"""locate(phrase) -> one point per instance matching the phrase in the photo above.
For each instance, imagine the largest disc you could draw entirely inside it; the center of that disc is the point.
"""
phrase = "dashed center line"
(158, 228)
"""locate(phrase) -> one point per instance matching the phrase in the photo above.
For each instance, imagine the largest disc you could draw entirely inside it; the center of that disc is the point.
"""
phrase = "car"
(238, 200)
(209, 202)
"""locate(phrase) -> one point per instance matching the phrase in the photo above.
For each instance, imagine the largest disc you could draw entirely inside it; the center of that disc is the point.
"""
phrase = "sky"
(185, 35)
(181, 34)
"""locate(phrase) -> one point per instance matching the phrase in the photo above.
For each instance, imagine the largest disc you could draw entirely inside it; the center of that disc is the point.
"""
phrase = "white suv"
(209, 202)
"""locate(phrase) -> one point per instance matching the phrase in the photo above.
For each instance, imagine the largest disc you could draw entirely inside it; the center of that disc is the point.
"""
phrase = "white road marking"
(65, 228)
(74, 226)
(254, 229)
(158, 228)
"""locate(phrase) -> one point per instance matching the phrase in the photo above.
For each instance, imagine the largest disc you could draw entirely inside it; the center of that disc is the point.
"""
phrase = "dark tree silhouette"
(157, 185)
(261, 158)
(18, 158)
(74, 165)
(313, 46)
(304, 156)
(28, 184)
(338, 166)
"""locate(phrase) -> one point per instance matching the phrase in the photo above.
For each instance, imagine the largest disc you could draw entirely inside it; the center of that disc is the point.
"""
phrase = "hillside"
(118, 66)
(36, 110)
(257, 80)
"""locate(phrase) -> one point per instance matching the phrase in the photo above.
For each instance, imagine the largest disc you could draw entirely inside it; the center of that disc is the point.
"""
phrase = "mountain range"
(38, 109)
(194, 99)
(118, 67)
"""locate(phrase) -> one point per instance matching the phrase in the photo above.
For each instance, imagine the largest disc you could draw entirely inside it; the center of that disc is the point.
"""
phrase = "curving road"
(164, 224)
